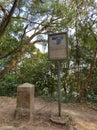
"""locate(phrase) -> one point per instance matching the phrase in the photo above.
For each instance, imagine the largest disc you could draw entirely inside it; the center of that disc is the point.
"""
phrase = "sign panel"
(57, 46)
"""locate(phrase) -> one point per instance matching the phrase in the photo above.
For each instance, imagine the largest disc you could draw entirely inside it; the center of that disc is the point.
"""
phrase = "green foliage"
(40, 73)
(8, 85)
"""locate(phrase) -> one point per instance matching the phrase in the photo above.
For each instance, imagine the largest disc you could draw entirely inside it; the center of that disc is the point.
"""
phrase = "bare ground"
(83, 117)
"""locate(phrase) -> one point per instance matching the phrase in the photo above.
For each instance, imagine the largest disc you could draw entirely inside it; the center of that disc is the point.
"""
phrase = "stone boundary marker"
(25, 101)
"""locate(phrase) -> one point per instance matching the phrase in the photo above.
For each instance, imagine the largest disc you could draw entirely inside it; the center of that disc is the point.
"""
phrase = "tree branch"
(19, 51)
(7, 19)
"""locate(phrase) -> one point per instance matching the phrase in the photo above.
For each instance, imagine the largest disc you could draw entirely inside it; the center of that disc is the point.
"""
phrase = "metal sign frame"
(58, 46)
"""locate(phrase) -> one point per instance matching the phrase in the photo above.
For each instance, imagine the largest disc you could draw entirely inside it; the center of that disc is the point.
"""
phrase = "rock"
(71, 127)
(63, 120)
(7, 128)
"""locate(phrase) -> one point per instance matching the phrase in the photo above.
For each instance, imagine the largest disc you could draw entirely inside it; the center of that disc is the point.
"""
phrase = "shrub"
(8, 85)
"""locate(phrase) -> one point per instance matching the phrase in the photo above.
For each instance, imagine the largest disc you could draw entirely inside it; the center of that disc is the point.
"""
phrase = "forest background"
(23, 24)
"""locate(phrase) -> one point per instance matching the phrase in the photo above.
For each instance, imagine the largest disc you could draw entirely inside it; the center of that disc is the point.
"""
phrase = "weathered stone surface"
(71, 127)
(7, 128)
(25, 101)
(63, 120)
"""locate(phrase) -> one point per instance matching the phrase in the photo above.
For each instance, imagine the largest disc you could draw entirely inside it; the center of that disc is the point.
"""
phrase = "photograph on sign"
(57, 46)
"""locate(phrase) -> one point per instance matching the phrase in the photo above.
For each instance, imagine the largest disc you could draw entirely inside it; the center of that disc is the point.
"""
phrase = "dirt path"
(84, 117)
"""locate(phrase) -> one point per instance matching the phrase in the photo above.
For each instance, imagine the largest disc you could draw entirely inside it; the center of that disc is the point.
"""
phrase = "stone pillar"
(25, 101)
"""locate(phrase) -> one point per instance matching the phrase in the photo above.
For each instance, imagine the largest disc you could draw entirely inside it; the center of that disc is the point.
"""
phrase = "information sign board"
(57, 46)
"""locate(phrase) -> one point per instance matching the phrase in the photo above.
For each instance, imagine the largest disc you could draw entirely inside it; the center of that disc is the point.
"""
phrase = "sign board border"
(55, 34)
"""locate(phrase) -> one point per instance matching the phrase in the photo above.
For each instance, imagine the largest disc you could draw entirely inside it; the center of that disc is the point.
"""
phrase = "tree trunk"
(6, 19)
(89, 74)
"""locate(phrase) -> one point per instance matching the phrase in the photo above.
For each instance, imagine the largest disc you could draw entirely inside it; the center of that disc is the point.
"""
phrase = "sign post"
(58, 50)
(59, 89)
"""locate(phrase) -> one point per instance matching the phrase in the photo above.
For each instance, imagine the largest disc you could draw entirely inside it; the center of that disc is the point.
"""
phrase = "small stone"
(71, 127)
(7, 128)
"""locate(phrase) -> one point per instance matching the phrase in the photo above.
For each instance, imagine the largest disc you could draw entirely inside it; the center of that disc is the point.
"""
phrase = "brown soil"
(83, 117)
